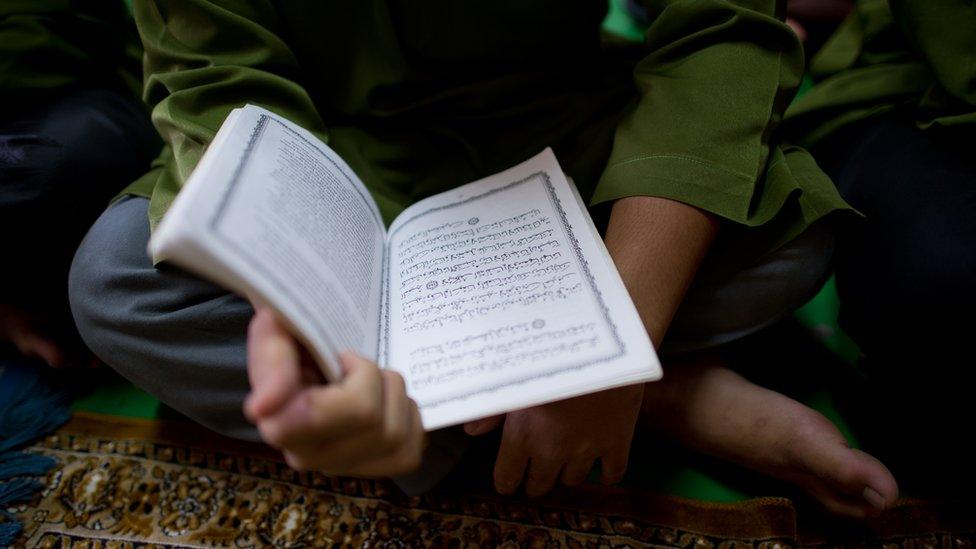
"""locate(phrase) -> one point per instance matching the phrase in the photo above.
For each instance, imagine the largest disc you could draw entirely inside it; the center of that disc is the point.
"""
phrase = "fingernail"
(874, 498)
(472, 428)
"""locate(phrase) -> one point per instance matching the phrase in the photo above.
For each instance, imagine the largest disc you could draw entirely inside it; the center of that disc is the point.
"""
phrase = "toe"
(858, 476)
(835, 503)
(871, 481)
(841, 477)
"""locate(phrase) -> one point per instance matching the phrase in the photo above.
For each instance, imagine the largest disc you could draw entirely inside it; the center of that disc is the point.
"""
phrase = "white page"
(501, 295)
(274, 214)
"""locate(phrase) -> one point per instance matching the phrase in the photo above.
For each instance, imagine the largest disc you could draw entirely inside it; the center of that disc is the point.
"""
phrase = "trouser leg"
(906, 276)
(906, 273)
(724, 305)
(172, 334)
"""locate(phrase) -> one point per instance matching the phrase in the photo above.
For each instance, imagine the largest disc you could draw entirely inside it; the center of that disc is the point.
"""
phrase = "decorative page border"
(256, 134)
(252, 142)
(595, 293)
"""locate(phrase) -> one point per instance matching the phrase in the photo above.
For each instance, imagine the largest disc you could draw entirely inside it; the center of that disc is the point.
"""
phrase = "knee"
(103, 286)
(173, 336)
(108, 276)
(89, 287)
(726, 303)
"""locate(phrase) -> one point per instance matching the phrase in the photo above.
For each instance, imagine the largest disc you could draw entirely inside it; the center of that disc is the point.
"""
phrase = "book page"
(500, 295)
(288, 224)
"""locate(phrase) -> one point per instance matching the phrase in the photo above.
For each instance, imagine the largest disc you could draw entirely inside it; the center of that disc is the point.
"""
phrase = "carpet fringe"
(30, 407)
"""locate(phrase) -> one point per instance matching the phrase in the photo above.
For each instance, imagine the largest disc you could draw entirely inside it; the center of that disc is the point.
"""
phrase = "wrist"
(657, 245)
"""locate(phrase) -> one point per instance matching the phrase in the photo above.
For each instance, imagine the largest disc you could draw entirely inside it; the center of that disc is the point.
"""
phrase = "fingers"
(397, 422)
(408, 451)
(324, 412)
(543, 472)
(512, 460)
(576, 471)
(364, 425)
(364, 378)
(525, 455)
(273, 365)
(540, 472)
(482, 426)
(542, 475)
(365, 454)
(613, 465)
(408, 456)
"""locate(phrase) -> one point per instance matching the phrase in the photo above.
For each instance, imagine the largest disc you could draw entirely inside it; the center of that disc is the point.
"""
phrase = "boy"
(72, 134)
(672, 146)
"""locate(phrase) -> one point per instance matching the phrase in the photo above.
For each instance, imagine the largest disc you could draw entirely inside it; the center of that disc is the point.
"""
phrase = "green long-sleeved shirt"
(915, 55)
(420, 96)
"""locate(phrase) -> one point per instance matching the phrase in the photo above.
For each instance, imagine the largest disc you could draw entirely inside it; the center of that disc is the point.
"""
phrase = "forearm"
(657, 245)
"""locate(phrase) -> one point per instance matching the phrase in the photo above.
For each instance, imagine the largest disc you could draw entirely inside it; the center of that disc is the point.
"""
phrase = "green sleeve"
(713, 87)
(202, 60)
(943, 32)
(916, 55)
(49, 45)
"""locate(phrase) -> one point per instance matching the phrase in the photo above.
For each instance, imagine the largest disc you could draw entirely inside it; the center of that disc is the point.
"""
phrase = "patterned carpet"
(136, 483)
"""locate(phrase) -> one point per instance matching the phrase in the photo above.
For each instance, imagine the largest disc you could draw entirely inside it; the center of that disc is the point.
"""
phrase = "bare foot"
(711, 409)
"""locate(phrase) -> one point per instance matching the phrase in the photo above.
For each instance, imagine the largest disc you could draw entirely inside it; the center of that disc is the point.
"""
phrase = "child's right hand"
(364, 425)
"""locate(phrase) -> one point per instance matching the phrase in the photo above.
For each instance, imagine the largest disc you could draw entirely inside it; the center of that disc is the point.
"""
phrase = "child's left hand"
(562, 440)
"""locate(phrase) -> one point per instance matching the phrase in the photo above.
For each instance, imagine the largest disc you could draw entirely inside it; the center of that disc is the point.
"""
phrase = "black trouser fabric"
(61, 160)
(906, 275)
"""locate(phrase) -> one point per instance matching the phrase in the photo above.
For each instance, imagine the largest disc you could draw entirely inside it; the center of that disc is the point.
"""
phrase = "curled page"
(275, 215)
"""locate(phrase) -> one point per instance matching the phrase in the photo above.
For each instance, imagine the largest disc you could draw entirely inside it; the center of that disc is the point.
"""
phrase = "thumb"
(482, 426)
(273, 365)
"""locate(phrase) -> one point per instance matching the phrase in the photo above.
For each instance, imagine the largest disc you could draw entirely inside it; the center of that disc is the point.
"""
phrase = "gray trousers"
(183, 339)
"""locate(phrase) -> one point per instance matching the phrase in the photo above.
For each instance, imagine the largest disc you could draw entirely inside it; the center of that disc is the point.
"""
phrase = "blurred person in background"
(73, 133)
(892, 119)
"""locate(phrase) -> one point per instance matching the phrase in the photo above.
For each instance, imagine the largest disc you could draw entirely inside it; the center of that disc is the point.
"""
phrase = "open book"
(491, 297)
